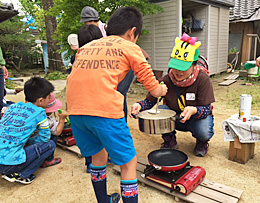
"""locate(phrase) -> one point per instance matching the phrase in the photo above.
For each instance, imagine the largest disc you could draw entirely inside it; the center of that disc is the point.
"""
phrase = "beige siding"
(213, 39)
(145, 41)
(163, 28)
(218, 39)
(223, 39)
(201, 14)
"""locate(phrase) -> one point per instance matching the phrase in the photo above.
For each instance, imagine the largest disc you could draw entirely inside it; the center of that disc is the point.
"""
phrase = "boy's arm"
(144, 73)
(44, 132)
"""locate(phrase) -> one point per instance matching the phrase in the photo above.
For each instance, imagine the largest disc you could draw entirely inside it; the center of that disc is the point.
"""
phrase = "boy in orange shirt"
(96, 107)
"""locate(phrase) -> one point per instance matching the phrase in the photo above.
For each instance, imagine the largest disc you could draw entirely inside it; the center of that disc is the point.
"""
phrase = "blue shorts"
(93, 133)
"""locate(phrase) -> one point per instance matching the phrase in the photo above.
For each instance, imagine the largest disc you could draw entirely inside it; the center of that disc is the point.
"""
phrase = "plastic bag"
(197, 24)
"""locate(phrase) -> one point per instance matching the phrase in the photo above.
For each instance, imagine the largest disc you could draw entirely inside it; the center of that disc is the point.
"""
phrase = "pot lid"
(162, 114)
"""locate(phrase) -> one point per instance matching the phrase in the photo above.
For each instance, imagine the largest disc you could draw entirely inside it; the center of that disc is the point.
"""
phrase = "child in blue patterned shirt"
(17, 161)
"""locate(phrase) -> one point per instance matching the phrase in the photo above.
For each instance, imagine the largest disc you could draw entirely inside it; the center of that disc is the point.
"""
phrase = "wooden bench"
(206, 192)
(73, 149)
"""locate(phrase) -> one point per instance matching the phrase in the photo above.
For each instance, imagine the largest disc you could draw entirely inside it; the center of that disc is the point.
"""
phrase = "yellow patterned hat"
(184, 52)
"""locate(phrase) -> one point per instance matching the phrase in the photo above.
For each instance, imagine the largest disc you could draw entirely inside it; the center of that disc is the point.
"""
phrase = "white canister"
(253, 70)
(245, 106)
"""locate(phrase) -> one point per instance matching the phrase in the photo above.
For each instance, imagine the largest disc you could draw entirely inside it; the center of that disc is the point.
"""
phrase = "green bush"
(56, 75)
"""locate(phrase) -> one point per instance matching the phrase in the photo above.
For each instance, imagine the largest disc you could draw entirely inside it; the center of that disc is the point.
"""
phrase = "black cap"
(88, 14)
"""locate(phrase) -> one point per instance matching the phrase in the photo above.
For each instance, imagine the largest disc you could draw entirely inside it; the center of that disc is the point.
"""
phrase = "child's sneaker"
(51, 162)
(109, 160)
(88, 168)
(16, 178)
(114, 198)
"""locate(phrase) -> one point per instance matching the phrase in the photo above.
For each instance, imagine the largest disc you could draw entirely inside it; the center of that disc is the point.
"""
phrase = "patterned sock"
(129, 191)
(99, 182)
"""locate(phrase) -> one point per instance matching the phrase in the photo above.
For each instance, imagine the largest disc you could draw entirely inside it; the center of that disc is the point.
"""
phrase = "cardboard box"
(241, 152)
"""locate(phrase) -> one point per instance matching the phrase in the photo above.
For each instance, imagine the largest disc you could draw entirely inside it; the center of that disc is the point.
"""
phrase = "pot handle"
(177, 118)
(147, 172)
(134, 116)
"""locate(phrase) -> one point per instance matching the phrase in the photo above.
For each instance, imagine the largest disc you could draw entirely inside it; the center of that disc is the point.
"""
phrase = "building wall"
(223, 39)
(244, 29)
(218, 39)
(200, 13)
(213, 39)
(164, 28)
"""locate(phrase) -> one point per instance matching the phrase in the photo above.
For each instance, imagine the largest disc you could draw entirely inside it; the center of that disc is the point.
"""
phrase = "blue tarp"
(45, 57)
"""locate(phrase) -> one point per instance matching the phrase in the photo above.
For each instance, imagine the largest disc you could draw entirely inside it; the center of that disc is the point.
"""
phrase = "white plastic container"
(245, 107)
(252, 71)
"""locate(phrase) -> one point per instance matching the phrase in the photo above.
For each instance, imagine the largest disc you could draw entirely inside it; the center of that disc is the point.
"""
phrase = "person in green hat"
(190, 94)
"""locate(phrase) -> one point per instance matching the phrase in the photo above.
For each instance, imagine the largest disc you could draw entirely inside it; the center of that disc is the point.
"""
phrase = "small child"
(55, 127)
(18, 162)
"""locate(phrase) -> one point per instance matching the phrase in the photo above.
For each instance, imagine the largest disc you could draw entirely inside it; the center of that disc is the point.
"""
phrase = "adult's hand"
(5, 72)
(187, 113)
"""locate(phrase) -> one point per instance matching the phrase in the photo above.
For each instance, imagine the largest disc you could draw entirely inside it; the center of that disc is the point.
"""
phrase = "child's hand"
(63, 114)
(135, 109)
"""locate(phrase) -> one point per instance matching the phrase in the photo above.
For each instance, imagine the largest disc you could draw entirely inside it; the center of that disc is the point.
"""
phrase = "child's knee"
(52, 145)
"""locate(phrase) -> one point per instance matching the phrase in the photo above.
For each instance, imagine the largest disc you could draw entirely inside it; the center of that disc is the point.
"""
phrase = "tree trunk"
(18, 68)
(55, 61)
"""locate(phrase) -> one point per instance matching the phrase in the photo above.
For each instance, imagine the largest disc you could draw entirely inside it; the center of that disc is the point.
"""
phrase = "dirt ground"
(69, 182)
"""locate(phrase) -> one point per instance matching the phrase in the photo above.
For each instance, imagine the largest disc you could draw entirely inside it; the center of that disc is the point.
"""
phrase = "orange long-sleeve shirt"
(98, 69)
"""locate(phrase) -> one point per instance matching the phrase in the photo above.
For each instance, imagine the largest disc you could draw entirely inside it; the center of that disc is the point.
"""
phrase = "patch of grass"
(10, 84)
(232, 95)
(56, 75)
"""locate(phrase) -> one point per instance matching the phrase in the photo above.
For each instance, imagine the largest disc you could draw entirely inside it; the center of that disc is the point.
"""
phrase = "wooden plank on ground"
(226, 82)
(207, 191)
(232, 77)
(222, 188)
(73, 149)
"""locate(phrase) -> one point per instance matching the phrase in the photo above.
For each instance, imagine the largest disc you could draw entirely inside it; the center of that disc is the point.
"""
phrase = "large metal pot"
(159, 123)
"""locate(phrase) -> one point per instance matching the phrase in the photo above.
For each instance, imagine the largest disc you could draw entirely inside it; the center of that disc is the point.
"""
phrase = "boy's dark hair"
(87, 33)
(124, 19)
(36, 88)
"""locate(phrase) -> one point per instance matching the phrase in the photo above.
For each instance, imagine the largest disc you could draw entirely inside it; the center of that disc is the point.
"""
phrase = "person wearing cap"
(89, 15)
(190, 94)
(73, 41)
(56, 127)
